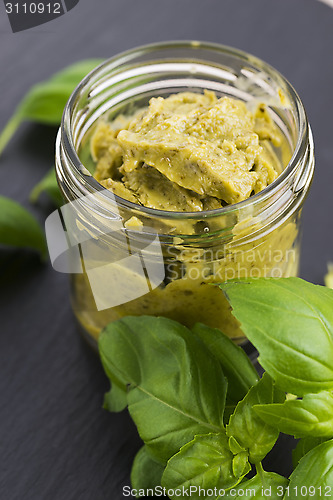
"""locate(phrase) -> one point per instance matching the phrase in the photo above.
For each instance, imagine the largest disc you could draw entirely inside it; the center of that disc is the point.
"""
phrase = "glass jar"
(167, 263)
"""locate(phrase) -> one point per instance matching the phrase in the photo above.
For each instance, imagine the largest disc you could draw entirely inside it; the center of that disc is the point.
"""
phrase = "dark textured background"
(56, 443)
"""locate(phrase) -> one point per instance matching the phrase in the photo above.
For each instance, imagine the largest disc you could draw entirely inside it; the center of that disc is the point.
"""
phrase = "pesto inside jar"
(188, 152)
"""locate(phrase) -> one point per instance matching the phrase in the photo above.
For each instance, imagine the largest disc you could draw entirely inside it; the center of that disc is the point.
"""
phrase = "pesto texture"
(188, 152)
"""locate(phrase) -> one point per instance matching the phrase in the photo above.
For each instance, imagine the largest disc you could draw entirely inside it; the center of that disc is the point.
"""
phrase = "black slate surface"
(56, 443)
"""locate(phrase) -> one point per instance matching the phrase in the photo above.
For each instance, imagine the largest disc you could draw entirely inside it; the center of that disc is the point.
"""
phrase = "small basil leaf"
(290, 322)
(116, 399)
(49, 185)
(263, 486)
(45, 102)
(250, 432)
(240, 463)
(146, 473)
(310, 416)
(303, 447)
(314, 471)
(234, 446)
(176, 388)
(18, 228)
(205, 462)
(236, 366)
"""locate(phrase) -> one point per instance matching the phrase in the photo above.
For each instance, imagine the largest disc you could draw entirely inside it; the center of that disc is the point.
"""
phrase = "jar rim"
(299, 149)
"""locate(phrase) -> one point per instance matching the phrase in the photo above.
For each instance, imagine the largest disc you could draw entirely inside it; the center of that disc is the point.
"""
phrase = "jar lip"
(298, 152)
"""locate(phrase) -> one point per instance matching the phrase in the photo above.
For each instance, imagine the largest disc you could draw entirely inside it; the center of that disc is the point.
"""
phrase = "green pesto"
(188, 152)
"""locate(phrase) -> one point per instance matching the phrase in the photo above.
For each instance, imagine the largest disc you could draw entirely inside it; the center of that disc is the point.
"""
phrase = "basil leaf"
(49, 185)
(314, 474)
(290, 322)
(250, 432)
(236, 366)
(146, 473)
(176, 388)
(205, 462)
(263, 486)
(45, 102)
(310, 416)
(74, 73)
(18, 228)
(116, 399)
(240, 463)
(303, 447)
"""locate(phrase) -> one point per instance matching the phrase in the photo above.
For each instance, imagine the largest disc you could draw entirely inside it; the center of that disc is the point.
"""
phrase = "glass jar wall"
(168, 263)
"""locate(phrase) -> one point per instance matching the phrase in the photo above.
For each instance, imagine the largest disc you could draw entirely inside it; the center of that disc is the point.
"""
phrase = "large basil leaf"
(45, 102)
(310, 416)
(18, 228)
(290, 322)
(263, 486)
(176, 388)
(146, 473)
(247, 428)
(236, 366)
(205, 462)
(313, 477)
(303, 447)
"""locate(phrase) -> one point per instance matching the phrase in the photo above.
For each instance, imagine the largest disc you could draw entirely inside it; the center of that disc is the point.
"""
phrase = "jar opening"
(163, 68)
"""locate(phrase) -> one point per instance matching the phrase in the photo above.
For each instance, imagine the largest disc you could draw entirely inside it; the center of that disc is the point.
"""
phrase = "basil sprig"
(197, 432)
